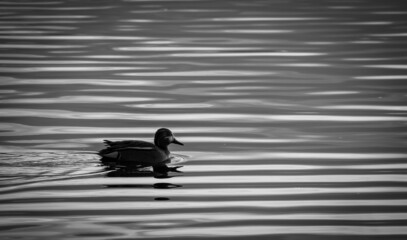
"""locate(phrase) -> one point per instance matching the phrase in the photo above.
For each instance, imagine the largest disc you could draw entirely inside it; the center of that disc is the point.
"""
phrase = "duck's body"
(135, 153)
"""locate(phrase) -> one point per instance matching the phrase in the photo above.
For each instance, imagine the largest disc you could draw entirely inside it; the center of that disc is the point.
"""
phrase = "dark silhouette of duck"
(136, 153)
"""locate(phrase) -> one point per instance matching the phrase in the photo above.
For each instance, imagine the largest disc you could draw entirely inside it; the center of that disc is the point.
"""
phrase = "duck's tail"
(104, 152)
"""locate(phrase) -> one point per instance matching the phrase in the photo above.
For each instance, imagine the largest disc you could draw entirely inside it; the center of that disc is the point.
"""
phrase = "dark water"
(293, 115)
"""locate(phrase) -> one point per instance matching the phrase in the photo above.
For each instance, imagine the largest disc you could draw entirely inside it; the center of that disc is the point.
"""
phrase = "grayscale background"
(293, 114)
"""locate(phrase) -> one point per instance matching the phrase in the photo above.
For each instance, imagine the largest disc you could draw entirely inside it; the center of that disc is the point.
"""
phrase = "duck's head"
(164, 137)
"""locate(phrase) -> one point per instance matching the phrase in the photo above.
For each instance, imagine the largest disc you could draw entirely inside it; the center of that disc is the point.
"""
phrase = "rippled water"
(293, 115)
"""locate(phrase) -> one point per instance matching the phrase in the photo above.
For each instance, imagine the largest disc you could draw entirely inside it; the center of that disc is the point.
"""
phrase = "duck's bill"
(177, 142)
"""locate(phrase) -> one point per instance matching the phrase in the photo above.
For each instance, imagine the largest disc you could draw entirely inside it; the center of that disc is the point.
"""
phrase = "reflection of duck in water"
(136, 153)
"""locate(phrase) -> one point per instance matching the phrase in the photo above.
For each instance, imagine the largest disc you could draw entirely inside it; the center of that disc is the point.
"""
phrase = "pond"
(293, 115)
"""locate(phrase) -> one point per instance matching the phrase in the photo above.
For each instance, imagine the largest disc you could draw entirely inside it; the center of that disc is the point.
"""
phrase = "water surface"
(293, 115)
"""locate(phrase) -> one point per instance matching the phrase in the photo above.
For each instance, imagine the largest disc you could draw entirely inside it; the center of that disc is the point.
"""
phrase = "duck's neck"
(164, 148)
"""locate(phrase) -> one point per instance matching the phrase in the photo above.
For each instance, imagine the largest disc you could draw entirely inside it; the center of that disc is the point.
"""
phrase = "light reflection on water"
(77, 99)
(38, 46)
(368, 107)
(12, 128)
(265, 19)
(293, 118)
(384, 77)
(209, 73)
(63, 69)
(249, 54)
(217, 117)
(73, 38)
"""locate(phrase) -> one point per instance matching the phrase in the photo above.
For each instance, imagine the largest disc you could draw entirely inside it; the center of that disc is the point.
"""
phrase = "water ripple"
(182, 48)
(249, 54)
(218, 117)
(383, 77)
(13, 129)
(367, 107)
(265, 19)
(209, 193)
(200, 73)
(77, 99)
(73, 37)
(66, 69)
(259, 231)
(39, 46)
(391, 66)
(87, 81)
(293, 118)
(47, 17)
(124, 205)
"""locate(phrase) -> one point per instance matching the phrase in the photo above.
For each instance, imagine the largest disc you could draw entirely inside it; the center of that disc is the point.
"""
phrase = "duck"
(137, 153)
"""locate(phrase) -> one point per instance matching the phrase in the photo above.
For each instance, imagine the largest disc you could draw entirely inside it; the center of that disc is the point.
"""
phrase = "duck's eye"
(168, 139)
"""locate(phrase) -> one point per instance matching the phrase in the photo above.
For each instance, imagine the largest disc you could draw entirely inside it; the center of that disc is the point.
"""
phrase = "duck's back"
(128, 143)
(133, 153)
